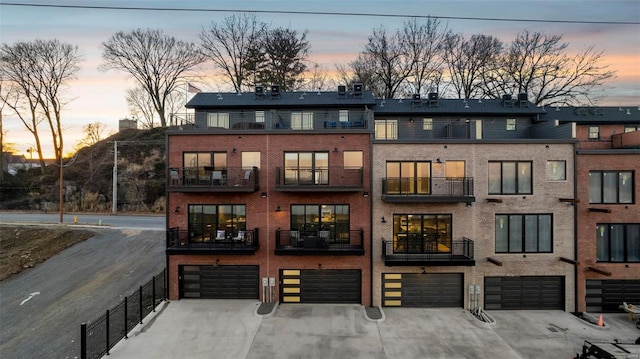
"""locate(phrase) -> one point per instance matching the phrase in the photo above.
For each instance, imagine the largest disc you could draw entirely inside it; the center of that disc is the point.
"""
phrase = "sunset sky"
(98, 96)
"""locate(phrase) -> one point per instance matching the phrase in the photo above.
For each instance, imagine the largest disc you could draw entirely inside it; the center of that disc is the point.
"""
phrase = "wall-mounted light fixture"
(319, 267)
(263, 195)
(278, 209)
(215, 265)
(233, 150)
(177, 209)
(424, 271)
(335, 150)
(438, 160)
(468, 204)
(382, 220)
(365, 194)
(411, 120)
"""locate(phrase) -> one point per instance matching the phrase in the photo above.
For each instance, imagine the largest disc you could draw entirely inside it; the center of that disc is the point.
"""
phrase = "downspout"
(370, 211)
(166, 215)
(575, 227)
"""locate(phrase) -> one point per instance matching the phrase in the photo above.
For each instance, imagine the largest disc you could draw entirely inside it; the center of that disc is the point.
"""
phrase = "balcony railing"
(185, 241)
(332, 179)
(419, 251)
(319, 242)
(626, 140)
(427, 189)
(210, 179)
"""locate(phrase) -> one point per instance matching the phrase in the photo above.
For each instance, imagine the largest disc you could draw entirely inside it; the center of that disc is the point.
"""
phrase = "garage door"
(422, 290)
(320, 286)
(607, 295)
(535, 292)
(219, 282)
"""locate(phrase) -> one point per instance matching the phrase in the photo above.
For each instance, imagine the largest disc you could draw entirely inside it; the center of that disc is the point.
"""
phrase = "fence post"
(153, 293)
(83, 341)
(107, 331)
(126, 321)
(141, 305)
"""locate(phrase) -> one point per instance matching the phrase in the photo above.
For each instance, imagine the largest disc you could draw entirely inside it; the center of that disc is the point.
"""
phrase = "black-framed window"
(594, 133)
(422, 233)
(408, 177)
(631, 128)
(611, 187)
(199, 165)
(310, 219)
(510, 177)
(386, 129)
(205, 220)
(309, 168)
(618, 242)
(524, 233)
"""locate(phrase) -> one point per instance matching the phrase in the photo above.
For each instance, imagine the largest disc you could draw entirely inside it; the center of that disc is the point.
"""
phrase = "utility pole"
(114, 205)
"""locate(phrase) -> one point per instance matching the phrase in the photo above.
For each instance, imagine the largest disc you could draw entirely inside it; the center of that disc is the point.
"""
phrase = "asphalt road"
(106, 220)
(41, 309)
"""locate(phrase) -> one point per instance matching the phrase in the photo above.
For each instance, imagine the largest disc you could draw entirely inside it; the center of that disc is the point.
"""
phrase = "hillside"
(88, 180)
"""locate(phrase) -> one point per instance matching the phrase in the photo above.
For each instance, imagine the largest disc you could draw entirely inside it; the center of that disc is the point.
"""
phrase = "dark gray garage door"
(607, 295)
(422, 290)
(219, 282)
(320, 286)
(531, 293)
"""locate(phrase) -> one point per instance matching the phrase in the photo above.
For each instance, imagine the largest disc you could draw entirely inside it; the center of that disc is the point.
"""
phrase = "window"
(524, 233)
(422, 233)
(618, 242)
(511, 124)
(594, 133)
(352, 159)
(218, 120)
(205, 220)
(306, 168)
(408, 178)
(427, 124)
(309, 219)
(198, 165)
(302, 120)
(454, 169)
(250, 160)
(386, 129)
(556, 170)
(506, 177)
(631, 128)
(343, 115)
(260, 116)
(611, 187)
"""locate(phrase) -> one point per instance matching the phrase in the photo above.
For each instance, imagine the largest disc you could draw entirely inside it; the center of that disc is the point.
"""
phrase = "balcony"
(290, 242)
(332, 179)
(425, 252)
(190, 242)
(208, 179)
(626, 140)
(427, 190)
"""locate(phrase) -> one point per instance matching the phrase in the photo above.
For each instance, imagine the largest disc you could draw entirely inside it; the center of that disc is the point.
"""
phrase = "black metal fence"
(101, 334)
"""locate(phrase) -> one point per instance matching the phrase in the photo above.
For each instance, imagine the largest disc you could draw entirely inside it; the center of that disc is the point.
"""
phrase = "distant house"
(126, 124)
(13, 163)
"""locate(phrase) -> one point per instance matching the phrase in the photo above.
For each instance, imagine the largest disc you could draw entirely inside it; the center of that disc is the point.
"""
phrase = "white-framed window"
(218, 119)
(594, 133)
(556, 170)
(511, 124)
(427, 124)
(259, 116)
(343, 115)
(302, 120)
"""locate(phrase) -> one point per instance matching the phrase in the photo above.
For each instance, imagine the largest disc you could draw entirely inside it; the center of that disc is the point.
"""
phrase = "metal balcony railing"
(420, 250)
(240, 241)
(211, 179)
(320, 242)
(333, 178)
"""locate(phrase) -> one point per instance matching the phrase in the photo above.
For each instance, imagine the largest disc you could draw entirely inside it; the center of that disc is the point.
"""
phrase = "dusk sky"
(98, 96)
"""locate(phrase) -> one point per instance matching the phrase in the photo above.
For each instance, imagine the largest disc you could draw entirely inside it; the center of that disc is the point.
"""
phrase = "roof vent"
(342, 91)
(433, 99)
(357, 90)
(507, 101)
(275, 91)
(523, 100)
(416, 100)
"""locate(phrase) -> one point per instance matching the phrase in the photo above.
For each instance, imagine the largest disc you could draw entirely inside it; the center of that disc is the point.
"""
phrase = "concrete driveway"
(232, 329)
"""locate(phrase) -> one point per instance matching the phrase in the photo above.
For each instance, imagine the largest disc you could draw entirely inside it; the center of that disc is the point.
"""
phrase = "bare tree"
(93, 134)
(141, 106)
(155, 60)
(424, 44)
(280, 59)
(539, 65)
(228, 44)
(469, 61)
(316, 79)
(37, 73)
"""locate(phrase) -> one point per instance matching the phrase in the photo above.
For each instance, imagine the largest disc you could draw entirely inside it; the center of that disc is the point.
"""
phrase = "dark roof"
(453, 106)
(593, 115)
(284, 99)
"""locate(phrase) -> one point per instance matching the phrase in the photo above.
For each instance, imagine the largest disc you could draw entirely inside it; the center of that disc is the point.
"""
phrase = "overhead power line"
(326, 13)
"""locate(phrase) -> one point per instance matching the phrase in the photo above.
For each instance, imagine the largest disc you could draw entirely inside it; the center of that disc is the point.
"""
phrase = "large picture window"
(422, 233)
(199, 166)
(218, 119)
(306, 168)
(611, 187)
(618, 242)
(209, 221)
(408, 178)
(311, 219)
(524, 233)
(302, 120)
(386, 129)
(510, 177)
